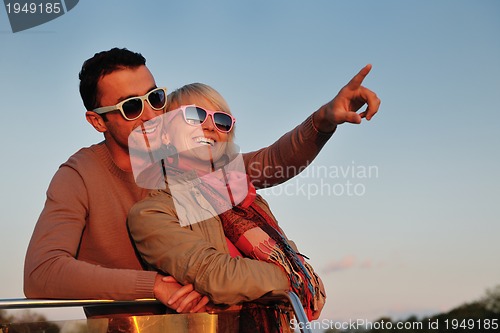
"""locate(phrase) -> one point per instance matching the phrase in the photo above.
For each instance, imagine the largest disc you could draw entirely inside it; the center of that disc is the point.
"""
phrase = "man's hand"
(343, 108)
(188, 299)
(183, 299)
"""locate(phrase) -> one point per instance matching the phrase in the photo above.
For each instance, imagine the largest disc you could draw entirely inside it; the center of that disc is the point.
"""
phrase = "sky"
(399, 215)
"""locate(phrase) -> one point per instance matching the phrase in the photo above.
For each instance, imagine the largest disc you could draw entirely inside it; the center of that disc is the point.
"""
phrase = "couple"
(205, 225)
(81, 248)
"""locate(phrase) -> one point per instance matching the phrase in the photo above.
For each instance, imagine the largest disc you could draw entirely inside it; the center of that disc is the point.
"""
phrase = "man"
(80, 248)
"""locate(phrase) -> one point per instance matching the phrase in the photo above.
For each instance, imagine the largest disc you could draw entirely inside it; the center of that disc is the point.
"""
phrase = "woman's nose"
(209, 124)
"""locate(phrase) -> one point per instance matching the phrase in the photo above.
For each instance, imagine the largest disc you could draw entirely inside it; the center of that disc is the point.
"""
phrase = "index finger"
(357, 80)
(182, 291)
(192, 296)
(204, 301)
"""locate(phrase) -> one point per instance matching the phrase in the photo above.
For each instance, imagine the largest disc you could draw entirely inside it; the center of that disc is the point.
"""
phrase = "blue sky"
(419, 236)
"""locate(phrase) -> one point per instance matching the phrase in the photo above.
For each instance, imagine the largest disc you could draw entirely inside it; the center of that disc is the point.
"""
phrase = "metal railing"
(287, 298)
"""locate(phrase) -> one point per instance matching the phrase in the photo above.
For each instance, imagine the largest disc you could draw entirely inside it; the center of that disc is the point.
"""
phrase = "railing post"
(299, 313)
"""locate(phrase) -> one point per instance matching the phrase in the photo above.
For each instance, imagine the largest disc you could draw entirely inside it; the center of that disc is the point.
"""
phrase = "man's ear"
(96, 121)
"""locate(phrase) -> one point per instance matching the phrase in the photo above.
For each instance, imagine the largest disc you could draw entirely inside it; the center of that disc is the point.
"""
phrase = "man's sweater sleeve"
(51, 270)
(287, 157)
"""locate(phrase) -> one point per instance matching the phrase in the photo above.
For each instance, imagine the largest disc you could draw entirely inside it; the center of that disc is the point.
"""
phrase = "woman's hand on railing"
(183, 299)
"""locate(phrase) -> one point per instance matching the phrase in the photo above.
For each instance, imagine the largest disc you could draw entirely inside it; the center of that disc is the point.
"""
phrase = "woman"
(206, 225)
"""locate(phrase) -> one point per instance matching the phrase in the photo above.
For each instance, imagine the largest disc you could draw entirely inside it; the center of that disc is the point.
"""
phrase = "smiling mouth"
(149, 130)
(204, 141)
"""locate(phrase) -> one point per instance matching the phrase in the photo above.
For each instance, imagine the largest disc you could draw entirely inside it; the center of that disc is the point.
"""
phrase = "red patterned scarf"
(257, 235)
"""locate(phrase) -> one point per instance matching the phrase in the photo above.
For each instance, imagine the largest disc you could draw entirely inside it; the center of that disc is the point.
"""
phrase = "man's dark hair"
(101, 64)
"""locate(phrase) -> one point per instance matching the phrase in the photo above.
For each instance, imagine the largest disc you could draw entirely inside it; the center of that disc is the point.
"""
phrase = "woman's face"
(198, 145)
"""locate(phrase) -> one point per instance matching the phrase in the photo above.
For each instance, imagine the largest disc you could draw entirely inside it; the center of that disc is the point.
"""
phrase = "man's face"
(114, 88)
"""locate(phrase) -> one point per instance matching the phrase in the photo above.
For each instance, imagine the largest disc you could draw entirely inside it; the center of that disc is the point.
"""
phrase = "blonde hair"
(197, 90)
